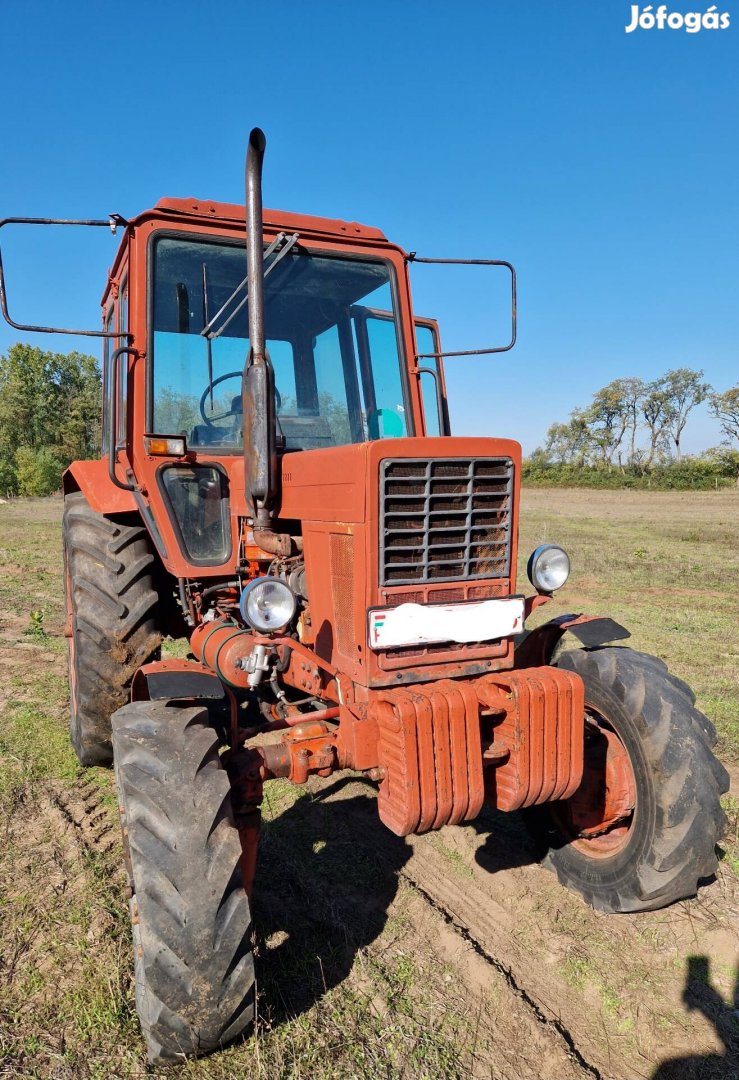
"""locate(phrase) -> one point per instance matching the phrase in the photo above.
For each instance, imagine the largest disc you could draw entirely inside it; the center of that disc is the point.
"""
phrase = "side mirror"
(111, 223)
(413, 258)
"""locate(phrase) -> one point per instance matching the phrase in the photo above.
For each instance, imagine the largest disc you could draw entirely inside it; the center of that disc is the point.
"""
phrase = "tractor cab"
(350, 364)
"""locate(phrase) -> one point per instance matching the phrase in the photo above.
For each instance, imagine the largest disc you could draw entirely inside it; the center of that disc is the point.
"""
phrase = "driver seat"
(202, 435)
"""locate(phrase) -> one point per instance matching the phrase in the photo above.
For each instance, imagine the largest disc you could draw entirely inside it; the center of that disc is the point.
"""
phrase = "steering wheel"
(211, 420)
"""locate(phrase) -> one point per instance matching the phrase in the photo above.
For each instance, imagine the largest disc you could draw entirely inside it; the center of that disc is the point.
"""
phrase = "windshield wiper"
(289, 242)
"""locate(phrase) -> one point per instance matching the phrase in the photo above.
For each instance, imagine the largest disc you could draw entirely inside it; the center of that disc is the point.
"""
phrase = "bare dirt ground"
(449, 955)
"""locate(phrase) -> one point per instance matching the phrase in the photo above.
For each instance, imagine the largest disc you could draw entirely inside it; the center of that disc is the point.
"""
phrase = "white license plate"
(428, 624)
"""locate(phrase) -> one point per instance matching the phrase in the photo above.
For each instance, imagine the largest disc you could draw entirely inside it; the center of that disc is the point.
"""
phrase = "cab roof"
(233, 213)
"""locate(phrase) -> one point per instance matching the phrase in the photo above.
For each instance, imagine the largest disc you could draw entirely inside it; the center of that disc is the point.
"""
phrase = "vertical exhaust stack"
(261, 478)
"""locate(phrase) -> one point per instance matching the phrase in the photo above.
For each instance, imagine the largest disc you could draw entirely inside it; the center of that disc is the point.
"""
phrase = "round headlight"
(267, 604)
(549, 568)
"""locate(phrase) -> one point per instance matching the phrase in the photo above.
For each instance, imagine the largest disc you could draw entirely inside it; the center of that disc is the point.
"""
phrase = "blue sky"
(603, 164)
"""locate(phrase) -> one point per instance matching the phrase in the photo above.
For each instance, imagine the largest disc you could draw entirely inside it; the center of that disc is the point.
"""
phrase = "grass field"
(450, 955)
(664, 564)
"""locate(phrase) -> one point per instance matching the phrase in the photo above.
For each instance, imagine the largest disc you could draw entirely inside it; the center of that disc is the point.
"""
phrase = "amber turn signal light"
(167, 445)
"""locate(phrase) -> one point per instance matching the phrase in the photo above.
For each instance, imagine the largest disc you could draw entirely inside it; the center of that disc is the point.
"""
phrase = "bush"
(38, 472)
(713, 470)
(8, 475)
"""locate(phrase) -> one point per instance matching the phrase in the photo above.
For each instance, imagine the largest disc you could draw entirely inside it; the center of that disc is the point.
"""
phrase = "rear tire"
(190, 915)
(111, 608)
(667, 846)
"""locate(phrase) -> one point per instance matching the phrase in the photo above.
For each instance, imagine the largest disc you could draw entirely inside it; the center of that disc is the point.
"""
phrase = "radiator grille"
(445, 520)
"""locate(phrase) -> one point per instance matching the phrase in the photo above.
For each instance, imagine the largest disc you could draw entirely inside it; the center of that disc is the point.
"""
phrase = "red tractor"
(279, 485)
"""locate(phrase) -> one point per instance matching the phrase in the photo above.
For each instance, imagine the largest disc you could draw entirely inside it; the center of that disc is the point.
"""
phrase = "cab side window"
(432, 385)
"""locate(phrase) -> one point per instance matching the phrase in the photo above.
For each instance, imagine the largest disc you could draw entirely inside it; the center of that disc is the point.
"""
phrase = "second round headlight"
(267, 604)
(549, 568)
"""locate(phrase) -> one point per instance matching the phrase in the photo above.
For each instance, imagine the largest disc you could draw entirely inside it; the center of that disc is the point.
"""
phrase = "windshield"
(332, 337)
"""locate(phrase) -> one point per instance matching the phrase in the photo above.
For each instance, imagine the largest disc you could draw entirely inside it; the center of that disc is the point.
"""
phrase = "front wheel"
(189, 911)
(641, 830)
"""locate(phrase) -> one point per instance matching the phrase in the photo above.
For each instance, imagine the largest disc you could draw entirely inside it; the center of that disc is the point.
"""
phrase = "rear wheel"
(189, 911)
(112, 628)
(641, 830)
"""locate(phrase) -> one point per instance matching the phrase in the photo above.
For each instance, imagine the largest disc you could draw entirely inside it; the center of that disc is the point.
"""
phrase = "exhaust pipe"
(261, 480)
(254, 247)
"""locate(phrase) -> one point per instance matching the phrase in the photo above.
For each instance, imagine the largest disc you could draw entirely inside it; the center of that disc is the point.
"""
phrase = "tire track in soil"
(486, 926)
(61, 871)
(520, 1043)
(541, 1032)
(509, 913)
(81, 806)
(537, 1011)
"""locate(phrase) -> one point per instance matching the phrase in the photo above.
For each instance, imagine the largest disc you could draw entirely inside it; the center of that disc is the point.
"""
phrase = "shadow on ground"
(700, 994)
(328, 872)
(508, 842)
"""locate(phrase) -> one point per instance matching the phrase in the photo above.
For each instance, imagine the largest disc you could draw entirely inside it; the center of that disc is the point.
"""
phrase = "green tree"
(657, 411)
(38, 471)
(608, 418)
(685, 390)
(572, 443)
(178, 413)
(633, 390)
(725, 407)
(48, 402)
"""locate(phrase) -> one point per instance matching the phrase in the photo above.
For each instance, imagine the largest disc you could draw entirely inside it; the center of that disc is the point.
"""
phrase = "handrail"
(113, 365)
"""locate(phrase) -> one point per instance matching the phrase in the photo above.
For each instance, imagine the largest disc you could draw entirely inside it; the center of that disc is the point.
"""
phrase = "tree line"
(49, 417)
(634, 426)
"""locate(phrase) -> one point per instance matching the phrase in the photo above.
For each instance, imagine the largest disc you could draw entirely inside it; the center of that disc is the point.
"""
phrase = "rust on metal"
(599, 814)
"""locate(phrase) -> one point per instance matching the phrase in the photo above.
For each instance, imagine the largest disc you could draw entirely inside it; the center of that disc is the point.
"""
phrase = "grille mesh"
(447, 520)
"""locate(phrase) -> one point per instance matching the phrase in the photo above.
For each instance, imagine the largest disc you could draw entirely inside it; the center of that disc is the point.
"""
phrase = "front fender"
(538, 647)
(92, 479)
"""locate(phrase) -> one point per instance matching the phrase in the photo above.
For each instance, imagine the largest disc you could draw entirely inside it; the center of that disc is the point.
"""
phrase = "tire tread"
(195, 977)
(677, 741)
(114, 608)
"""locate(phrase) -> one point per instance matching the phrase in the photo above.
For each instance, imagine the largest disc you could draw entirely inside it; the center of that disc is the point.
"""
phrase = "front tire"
(189, 911)
(644, 735)
(112, 625)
